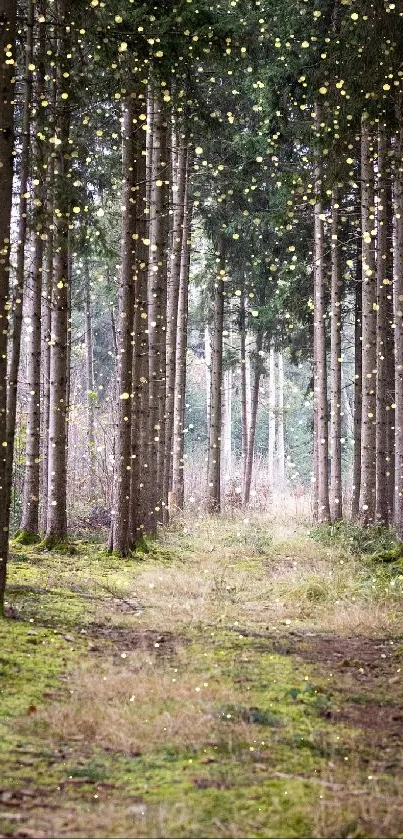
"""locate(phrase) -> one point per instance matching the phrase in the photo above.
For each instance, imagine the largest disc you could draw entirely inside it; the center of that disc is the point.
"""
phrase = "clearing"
(240, 679)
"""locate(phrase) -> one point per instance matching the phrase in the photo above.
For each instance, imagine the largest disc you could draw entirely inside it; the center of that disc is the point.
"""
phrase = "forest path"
(241, 679)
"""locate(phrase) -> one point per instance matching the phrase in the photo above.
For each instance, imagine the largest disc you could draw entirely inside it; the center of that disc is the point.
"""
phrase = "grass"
(186, 692)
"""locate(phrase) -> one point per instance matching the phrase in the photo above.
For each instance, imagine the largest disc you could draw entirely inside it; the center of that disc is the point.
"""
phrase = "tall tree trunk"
(398, 320)
(46, 315)
(319, 347)
(7, 37)
(207, 358)
(18, 291)
(89, 365)
(244, 399)
(56, 524)
(139, 435)
(382, 279)
(156, 334)
(178, 482)
(178, 168)
(368, 433)
(120, 531)
(257, 372)
(355, 500)
(214, 451)
(227, 426)
(272, 415)
(280, 422)
(30, 504)
(335, 366)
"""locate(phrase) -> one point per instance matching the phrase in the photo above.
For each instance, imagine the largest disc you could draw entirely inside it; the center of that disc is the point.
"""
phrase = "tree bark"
(280, 422)
(335, 366)
(7, 36)
(120, 531)
(214, 452)
(257, 372)
(178, 168)
(244, 401)
(178, 482)
(56, 524)
(156, 325)
(383, 271)
(89, 365)
(30, 505)
(398, 320)
(368, 432)
(355, 500)
(139, 436)
(18, 291)
(319, 348)
(227, 426)
(272, 415)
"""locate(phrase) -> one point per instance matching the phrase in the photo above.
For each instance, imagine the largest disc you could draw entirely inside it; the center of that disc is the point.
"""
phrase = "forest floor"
(242, 679)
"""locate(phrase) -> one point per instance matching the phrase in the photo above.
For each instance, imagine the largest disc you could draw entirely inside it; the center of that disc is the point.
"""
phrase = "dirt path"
(248, 688)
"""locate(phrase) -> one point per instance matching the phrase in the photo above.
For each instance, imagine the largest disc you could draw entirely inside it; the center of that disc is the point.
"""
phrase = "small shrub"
(357, 540)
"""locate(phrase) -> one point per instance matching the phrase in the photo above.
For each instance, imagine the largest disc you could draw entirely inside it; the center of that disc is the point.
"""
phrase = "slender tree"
(319, 346)
(30, 503)
(214, 451)
(120, 533)
(56, 519)
(382, 326)
(257, 373)
(272, 414)
(7, 62)
(335, 365)
(19, 288)
(178, 483)
(398, 319)
(178, 169)
(368, 433)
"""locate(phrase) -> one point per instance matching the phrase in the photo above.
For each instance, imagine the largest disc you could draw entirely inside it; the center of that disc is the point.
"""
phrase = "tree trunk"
(7, 36)
(280, 422)
(178, 483)
(382, 363)
(227, 426)
(156, 334)
(207, 358)
(398, 320)
(139, 436)
(355, 500)
(335, 366)
(46, 315)
(319, 348)
(252, 427)
(272, 415)
(89, 364)
(178, 168)
(120, 532)
(56, 524)
(30, 504)
(244, 400)
(368, 432)
(18, 291)
(214, 452)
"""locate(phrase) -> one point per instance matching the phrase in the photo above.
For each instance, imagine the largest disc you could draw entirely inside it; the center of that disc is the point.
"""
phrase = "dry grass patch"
(142, 708)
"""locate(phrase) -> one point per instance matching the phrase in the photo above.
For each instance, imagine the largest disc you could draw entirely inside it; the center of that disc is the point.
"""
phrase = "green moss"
(25, 537)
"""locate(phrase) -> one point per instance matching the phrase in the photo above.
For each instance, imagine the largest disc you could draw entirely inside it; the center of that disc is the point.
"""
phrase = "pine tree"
(7, 62)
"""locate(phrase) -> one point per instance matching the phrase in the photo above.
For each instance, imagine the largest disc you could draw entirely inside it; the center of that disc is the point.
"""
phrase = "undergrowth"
(155, 695)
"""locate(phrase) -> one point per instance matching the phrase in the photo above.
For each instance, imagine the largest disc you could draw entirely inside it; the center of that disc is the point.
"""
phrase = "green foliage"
(357, 540)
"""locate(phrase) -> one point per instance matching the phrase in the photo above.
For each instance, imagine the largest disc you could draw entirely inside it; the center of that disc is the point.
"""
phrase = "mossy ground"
(237, 680)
